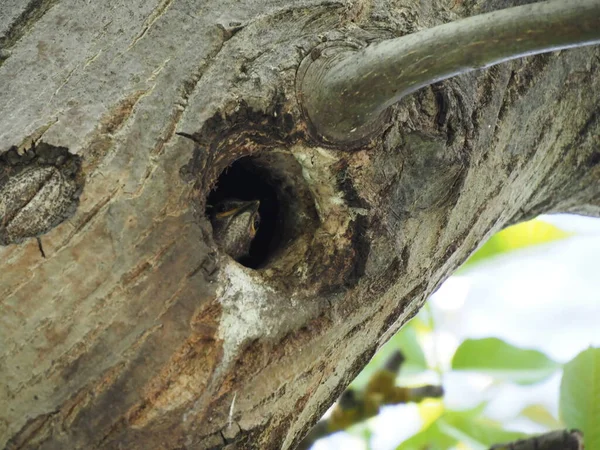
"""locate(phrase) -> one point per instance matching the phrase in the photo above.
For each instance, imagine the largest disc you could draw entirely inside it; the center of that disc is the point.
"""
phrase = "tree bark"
(344, 90)
(135, 330)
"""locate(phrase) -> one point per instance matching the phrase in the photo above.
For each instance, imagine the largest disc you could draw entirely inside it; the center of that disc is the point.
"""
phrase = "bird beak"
(251, 206)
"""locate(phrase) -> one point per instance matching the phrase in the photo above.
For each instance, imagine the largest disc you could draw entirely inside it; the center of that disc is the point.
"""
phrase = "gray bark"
(136, 331)
(554, 440)
(346, 89)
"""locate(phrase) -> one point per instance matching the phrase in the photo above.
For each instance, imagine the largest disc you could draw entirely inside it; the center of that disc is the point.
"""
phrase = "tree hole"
(266, 179)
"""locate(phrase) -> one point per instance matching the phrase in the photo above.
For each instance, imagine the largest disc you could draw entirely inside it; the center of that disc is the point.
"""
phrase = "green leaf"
(480, 432)
(361, 430)
(503, 361)
(522, 235)
(580, 396)
(539, 414)
(468, 427)
(431, 438)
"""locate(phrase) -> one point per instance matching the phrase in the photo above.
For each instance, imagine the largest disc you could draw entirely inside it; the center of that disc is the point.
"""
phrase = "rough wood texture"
(135, 331)
(347, 88)
(554, 440)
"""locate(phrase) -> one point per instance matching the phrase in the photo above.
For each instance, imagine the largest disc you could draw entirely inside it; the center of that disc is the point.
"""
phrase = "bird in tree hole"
(235, 223)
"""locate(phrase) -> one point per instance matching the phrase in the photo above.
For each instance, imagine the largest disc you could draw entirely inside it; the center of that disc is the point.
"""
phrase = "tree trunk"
(135, 330)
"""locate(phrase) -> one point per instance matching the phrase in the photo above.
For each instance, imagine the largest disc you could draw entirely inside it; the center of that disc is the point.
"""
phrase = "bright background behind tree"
(496, 335)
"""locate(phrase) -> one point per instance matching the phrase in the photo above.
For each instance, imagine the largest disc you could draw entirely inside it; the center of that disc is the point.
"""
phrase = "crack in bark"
(8, 294)
(101, 384)
(113, 121)
(66, 80)
(70, 407)
(156, 14)
(30, 431)
(92, 58)
(187, 88)
(88, 217)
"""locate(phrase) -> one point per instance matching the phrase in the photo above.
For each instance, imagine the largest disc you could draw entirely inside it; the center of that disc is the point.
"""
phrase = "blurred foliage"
(502, 361)
(580, 396)
(405, 340)
(364, 432)
(452, 427)
(540, 415)
(443, 429)
(525, 234)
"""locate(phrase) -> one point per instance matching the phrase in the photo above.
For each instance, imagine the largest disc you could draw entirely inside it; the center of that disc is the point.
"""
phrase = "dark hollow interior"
(247, 180)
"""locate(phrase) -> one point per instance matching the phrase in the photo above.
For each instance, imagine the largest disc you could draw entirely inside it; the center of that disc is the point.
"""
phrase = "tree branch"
(354, 407)
(344, 91)
(555, 440)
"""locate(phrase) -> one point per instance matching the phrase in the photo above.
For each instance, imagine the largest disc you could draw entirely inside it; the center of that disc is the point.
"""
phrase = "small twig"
(357, 406)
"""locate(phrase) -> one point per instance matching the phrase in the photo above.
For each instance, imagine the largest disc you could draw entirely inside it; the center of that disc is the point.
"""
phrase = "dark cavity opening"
(246, 179)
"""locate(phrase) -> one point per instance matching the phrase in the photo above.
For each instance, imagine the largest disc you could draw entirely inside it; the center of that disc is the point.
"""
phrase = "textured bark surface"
(135, 331)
